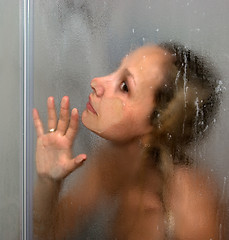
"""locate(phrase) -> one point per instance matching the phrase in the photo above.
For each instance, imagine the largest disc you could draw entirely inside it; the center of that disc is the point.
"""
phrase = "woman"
(159, 100)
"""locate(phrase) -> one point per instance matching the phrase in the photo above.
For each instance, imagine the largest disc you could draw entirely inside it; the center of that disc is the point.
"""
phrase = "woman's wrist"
(48, 180)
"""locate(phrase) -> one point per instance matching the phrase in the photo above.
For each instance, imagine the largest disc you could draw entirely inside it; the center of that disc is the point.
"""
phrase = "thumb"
(78, 161)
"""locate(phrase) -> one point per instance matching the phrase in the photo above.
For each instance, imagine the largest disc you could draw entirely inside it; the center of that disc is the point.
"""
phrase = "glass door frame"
(26, 53)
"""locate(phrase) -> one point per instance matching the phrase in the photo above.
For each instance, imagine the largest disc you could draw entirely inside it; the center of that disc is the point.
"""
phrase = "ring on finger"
(52, 130)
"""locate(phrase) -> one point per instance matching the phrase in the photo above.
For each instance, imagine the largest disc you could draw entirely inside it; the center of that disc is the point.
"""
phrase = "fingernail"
(83, 158)
(74, 111)
(50, 99)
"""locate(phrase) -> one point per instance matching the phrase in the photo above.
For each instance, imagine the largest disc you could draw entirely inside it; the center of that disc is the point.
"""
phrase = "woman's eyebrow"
(126, 72)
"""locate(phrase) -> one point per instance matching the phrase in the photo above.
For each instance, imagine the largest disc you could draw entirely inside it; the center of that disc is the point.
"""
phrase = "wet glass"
(76, 41)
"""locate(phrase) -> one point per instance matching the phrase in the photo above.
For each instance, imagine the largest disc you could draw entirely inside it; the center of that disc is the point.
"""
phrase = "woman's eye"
(124, 87)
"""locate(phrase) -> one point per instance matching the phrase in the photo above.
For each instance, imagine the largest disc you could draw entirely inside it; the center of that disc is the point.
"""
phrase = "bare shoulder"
(198, 181)
(194, 203)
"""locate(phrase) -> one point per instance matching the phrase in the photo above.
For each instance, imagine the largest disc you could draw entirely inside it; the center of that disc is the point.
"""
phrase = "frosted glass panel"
(10, 128)
(76, 41)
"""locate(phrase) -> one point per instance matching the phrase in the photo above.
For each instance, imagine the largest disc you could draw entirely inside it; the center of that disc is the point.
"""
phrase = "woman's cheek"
(112, 114)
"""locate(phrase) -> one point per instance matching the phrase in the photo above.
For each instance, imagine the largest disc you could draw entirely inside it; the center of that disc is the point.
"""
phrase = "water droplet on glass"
(205, 128)
(169, 136)
(147, 145)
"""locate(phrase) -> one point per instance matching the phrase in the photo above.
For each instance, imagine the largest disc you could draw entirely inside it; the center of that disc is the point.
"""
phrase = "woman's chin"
(97, 130)
(105, 129)
(90, 122)
(87, 122)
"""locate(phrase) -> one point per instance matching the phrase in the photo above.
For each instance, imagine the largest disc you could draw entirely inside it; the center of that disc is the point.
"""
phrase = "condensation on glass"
(75, 41)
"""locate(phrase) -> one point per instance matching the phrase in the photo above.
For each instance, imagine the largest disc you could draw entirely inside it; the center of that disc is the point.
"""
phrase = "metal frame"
(27, 95)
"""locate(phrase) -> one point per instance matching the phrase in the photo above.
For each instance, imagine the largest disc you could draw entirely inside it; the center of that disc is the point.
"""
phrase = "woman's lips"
(90, 108)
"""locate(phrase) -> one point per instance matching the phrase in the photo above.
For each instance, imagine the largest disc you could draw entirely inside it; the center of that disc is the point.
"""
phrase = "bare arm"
(45, 204)
(54, 217)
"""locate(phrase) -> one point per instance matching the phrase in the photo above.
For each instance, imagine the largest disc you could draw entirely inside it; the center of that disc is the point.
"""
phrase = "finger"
(73, 125)
(77, 162)
(64, 116)
(52, 118)
(37, 123)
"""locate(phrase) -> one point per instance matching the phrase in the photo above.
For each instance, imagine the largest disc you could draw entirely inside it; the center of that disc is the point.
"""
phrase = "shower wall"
(10, 127)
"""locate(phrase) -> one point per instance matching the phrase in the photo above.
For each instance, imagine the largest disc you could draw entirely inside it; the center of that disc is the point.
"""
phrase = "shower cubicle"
(55, 48)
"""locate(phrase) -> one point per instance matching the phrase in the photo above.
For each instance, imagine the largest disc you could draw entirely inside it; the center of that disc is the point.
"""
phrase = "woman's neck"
(128, 155)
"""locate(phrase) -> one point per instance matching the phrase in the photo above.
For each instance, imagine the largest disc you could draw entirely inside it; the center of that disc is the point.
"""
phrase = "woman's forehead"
(152, 54)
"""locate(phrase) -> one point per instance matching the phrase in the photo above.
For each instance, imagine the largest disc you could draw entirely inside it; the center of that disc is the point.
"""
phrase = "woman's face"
(121, 103)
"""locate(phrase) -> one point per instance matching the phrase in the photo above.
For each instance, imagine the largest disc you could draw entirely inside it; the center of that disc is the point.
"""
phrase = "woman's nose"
(97, 86)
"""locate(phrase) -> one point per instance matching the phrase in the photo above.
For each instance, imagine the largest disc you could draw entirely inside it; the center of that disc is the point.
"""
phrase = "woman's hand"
(54, 150)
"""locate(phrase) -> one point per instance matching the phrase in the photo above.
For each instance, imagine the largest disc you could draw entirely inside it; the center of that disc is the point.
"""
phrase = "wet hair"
(186, 105)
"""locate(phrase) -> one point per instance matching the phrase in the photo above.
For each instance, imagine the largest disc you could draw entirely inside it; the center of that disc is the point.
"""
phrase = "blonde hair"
(186, 104)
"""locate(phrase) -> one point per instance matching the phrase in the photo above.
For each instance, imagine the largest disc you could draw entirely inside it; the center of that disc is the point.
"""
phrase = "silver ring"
(52, 130)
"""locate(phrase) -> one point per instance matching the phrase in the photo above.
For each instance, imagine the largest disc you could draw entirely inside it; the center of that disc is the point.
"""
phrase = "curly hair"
(185, 106)
(186, 103)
